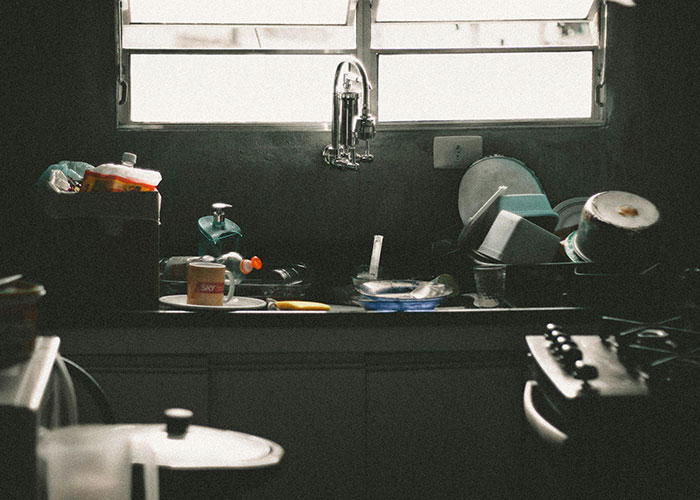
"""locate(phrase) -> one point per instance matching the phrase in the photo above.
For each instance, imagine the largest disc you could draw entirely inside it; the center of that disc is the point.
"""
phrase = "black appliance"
(616, 414)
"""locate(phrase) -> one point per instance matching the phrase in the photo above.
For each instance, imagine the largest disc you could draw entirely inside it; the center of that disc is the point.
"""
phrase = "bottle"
(120, 177)
(239, 266)
(218, 235)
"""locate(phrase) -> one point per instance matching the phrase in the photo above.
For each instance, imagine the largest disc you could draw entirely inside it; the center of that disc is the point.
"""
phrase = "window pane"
(509, 34)
(239, 11)
(477, 10)
(223, 88)
(498, 86)
(216, 37)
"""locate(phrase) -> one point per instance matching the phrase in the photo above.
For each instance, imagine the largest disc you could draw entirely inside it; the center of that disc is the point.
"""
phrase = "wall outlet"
(456, 151)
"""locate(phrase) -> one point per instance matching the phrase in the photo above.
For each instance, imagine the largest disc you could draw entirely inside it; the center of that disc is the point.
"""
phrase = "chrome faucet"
(347, 126)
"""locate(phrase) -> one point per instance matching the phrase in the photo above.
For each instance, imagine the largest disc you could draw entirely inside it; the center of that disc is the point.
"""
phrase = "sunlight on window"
(518, 86)
(459, 10)
(222, 88)
(239, 11)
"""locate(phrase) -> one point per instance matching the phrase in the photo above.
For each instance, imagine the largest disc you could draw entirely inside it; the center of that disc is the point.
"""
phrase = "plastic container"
(515, 240)
(218, 235)
(120, 177)
(18, 315)
(533, 207)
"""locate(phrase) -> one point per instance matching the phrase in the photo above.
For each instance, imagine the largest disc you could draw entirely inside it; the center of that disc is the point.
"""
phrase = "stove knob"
(570, 354)
(561, 340)
(584, 372)
(550, 329)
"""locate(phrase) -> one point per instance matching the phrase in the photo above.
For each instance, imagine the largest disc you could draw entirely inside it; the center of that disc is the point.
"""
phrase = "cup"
(205, 284)
(490, 285)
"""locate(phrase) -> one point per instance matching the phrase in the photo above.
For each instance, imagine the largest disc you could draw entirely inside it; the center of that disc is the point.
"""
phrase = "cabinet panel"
(451, 430)
(140, 388)
(312, 406)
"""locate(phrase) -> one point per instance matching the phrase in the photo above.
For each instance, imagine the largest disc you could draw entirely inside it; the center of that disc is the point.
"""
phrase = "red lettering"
(206, 287)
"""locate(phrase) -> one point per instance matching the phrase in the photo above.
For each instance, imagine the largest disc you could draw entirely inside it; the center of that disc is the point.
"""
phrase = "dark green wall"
(58, 103)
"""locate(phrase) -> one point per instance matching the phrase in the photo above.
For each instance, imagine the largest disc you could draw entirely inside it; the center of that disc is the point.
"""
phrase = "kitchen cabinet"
(375, 407)
(313, 405)
(444, 426)
(140, 388)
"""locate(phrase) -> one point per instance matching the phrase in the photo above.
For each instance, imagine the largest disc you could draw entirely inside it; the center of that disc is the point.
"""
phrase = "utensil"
(475, 228)
(376, 254)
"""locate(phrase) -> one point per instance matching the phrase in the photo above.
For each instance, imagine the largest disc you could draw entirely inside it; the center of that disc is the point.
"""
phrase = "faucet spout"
(348, 125)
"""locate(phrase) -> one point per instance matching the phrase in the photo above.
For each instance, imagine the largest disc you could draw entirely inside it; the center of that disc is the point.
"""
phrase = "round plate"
(571, 250)
(569, 212)
(485, 176)
(237, 303)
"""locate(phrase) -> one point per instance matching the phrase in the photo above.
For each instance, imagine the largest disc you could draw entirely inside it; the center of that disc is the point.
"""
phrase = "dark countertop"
(343, 329)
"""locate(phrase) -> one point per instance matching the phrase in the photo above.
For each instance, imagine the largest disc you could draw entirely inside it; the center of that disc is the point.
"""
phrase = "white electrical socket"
(456, 151)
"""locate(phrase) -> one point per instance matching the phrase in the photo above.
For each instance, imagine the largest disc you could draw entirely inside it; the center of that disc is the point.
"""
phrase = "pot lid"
(208, 448)
(197, 447)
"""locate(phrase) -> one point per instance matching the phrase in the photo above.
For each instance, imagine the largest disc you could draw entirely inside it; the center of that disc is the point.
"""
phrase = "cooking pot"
(86, 462)
(616, 227)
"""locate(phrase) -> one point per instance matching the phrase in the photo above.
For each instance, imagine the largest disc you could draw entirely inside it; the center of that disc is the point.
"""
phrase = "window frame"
(365, 14)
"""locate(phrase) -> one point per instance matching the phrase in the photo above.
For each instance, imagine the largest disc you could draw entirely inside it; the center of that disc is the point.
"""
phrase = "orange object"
(97, 182)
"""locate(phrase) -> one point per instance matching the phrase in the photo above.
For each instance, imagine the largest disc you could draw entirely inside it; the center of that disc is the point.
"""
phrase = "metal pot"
(88, 462)
(616, 227)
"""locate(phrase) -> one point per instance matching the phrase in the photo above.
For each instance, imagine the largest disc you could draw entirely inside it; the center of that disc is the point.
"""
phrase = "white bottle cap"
(129, 159)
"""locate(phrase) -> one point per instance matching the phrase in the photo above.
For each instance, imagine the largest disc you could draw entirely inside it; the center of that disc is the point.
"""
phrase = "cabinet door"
(312, 405)
(140, 388)
(447, 427)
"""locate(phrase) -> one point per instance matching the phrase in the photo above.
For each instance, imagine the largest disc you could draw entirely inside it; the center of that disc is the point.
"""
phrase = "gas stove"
(621, 407)
(628, 366)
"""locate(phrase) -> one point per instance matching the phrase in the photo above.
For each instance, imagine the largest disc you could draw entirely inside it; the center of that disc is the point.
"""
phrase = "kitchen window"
(270, 63)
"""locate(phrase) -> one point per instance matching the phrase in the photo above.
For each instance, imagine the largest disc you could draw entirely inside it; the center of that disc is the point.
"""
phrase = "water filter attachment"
(218, 235)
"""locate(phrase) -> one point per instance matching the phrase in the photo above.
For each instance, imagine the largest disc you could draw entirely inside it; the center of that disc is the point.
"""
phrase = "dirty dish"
(484, 177)
(237, 303)
(569, 212)
(371, 304)
(403, 295)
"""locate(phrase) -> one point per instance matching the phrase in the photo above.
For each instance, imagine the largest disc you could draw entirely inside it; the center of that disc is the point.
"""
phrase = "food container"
(18, 315)
(617, 226)
(513, 239)
(402, 295)
(533, 207)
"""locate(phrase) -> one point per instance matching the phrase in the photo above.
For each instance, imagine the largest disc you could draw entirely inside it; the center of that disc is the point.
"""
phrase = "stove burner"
(666, 354)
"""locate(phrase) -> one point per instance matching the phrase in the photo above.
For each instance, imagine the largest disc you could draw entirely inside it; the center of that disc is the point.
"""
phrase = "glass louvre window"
(185, 62)
(481, 87)
(487, 61)
(481, 10)
(321, 12)
(208, 88)
(443, 62)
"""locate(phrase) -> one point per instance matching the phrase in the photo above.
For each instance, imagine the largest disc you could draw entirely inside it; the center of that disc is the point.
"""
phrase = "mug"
(205, 284)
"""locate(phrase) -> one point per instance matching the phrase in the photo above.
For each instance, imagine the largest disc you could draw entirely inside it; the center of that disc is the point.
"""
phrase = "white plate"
(569, 212)
(484, 177)
(236, 303)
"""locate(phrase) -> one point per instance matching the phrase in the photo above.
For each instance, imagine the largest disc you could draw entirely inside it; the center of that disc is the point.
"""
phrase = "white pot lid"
(191, 447)
(208, 448)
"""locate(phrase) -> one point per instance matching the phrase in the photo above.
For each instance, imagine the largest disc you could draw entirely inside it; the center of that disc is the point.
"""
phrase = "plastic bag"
(64, 176)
